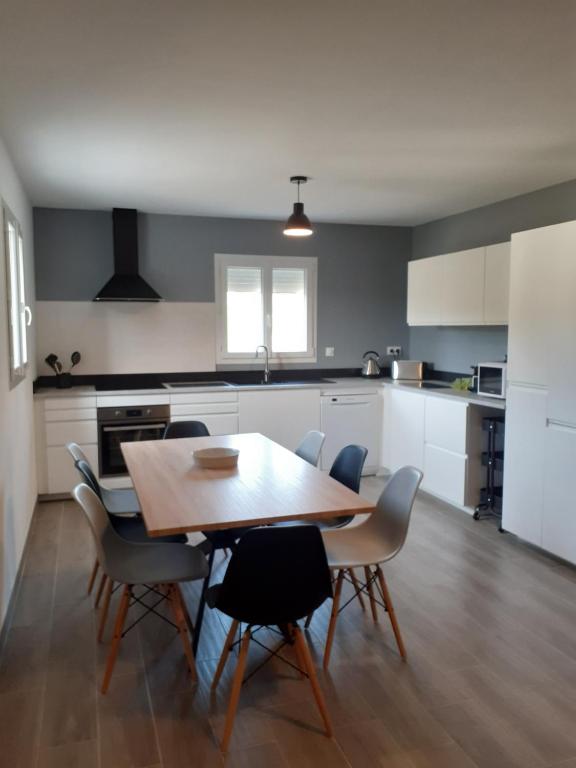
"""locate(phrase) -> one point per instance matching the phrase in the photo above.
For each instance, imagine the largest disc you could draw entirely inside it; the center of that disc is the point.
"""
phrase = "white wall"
(119, 337)
(17, 458)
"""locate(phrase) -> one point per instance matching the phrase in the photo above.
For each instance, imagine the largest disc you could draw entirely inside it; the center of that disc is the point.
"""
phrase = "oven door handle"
(134, 427)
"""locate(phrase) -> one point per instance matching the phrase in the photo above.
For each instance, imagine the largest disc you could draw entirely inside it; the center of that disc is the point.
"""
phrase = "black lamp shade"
(298, 225)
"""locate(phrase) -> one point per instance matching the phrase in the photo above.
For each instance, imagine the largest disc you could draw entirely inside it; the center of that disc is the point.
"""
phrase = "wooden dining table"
(270, 484)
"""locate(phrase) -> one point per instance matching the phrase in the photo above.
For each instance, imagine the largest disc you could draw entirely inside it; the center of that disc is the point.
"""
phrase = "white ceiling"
(402, 111)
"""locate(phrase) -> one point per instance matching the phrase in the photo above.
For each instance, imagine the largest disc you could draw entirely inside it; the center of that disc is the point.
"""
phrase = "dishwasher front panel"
(349, 419)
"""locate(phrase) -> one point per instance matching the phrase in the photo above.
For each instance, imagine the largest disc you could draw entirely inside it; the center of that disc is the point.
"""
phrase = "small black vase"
(64, 380)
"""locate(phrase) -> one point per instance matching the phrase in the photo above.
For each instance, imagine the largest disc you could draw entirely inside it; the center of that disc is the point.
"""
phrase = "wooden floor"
(489, 624)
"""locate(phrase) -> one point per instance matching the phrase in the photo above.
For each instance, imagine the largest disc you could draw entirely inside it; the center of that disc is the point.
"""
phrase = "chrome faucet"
(266, 362)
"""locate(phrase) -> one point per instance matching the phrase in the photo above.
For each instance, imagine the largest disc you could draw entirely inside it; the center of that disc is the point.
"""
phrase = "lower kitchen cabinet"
(403, 438)
(217, 423)
(282, 415)
(445, 474)
(559, 508)
(61, 475)
(523, 500)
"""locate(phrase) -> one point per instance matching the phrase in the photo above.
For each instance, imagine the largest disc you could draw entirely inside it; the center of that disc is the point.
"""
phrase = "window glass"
(289, 310)
(244, 309)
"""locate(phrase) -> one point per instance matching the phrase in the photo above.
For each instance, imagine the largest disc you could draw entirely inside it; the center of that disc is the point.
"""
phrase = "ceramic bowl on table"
(217, 458)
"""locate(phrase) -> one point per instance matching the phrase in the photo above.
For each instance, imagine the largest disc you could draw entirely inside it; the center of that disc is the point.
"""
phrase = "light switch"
(329, 352)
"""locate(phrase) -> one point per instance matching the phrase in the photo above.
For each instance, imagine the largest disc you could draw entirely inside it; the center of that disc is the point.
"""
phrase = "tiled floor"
(489, 624)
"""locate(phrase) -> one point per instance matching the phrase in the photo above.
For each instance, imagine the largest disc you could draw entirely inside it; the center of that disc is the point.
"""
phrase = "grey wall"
(361, 270)
(456, 349)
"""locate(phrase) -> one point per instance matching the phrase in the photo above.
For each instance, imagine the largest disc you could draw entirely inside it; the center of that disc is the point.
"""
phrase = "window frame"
(18, 343)
(266, 263)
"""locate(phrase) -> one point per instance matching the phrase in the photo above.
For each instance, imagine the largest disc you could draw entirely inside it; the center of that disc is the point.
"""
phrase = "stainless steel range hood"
(126, 284)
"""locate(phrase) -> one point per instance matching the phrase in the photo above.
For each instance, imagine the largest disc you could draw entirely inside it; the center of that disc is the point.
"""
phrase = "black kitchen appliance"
(127, 425)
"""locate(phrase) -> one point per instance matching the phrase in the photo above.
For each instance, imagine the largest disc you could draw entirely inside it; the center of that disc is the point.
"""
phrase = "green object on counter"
(462, 385)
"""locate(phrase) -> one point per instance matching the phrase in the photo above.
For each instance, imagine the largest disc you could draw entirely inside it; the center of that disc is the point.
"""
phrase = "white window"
(19, 315)
(267, 300)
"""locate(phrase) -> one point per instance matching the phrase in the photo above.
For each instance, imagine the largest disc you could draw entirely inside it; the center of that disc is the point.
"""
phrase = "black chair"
(179, 429)
(347, 469)
(225, 539)
(276, 576)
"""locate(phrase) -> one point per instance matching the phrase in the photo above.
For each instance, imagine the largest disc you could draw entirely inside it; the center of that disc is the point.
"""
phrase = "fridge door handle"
(560, 424)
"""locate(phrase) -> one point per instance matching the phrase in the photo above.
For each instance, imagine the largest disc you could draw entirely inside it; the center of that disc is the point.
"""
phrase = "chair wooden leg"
(176, 603)
(308, 620)
(105, 606)
(235, 694)
(93, 576)
(356, 584)
(301, 661)
(373, 605)
(103, 580)
(333, 618)
(391, 612)
(304, 653)
(118, 627)
(225, 653)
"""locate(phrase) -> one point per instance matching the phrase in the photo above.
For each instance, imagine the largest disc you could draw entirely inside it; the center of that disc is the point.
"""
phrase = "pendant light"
(298, 225)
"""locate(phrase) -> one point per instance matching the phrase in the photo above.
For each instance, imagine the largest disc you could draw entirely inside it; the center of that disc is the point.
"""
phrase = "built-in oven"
(127, 425)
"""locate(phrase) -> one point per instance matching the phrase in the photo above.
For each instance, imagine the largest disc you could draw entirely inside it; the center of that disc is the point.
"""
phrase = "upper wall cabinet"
(425, 280)
(463, 288)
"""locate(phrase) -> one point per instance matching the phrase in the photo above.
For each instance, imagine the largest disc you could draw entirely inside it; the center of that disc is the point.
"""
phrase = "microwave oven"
(491, 379)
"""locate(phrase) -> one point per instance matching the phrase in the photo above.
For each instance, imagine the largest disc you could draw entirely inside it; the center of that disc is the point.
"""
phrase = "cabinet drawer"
(204, 397)
(199, 409)
(66, 403)
(445, 424)
(126, 401)
(72, 414)
(62, 475)
(445, 474)
(217, 424)
(62, 432)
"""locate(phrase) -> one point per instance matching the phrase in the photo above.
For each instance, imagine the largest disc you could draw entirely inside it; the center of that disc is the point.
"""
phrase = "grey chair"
(310, 447)
(130, 527)
(118, 501)
(159, 568)
(368, 545)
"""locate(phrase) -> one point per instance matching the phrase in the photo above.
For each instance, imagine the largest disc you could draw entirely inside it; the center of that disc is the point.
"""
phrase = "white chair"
(368, 545)
(310, 447)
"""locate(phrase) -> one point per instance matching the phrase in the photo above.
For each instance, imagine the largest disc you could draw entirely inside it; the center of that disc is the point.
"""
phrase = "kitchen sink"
(190, 384)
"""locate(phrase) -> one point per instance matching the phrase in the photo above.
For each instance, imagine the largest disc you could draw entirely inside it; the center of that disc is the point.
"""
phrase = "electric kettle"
(371, 369)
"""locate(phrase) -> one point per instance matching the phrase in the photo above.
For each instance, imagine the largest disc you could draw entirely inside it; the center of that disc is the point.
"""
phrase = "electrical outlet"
(394, 351)
(329, 352)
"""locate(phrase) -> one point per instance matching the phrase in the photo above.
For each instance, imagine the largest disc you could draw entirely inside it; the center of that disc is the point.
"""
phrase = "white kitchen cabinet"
(425, 291)
(60, 420)
(497, 284)
(560, 351)
(445, 450)
(531, 312)
(445, 474)
(525, 441)
(62, 432)
(445, 424)
(282, 415)
(62, 476)
(403, 441)
(218, 410)
(216, 423)
(463, 287)
(559, 515)
(468, 287)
